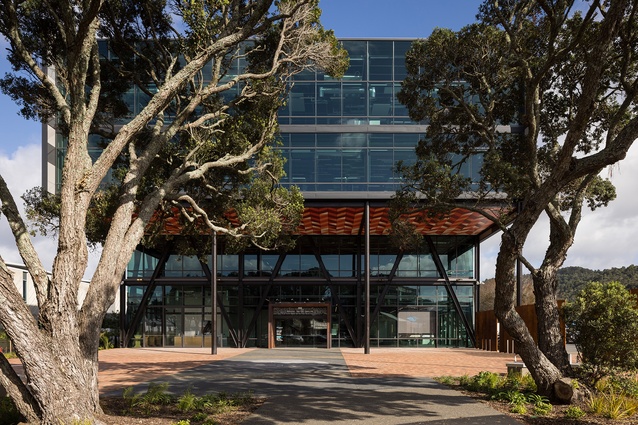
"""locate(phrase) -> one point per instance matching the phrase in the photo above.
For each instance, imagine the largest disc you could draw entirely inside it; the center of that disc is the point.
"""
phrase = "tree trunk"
(550, 337)
(545, 374)
(65, 389)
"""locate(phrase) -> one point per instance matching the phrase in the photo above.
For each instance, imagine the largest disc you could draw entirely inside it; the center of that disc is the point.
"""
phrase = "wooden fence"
(492, 337)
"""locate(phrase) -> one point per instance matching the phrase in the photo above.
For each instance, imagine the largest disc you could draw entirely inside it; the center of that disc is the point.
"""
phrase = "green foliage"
(518, 409)
(485, 381)
(523, 383)
(105, 343)
(513, 397)
(202, 408)
(542, 409)
(199, 417)
(187, 401)
(446, 380)
(574, 412)
(156, 394)
(613, 405)
(571, 280)
(517, 391)
(9, 415)
(183, 422)
(603, 322)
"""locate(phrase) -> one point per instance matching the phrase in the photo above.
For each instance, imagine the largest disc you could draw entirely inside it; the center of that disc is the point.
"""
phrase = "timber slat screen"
(491, 337)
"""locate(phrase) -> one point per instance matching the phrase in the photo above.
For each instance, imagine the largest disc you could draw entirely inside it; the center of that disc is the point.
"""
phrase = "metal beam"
(381, 298)
(152, 284)
(450, 291)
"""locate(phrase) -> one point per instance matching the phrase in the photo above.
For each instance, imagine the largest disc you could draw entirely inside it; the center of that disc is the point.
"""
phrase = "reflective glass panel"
(328, 166)
(328, 99)
(357, 54)
(400, 49)
(381, 165)
(250, 265)
(380, 99)
(302, 99)
(355, 99)
(380, 59)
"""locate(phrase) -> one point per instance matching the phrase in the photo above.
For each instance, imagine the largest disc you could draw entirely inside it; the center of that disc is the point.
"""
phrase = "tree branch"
(23, 243)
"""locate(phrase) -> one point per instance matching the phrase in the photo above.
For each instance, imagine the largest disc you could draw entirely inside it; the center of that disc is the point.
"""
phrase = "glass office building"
(342, 139)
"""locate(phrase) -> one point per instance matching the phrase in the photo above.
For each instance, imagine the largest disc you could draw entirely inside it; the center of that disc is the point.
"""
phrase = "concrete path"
(315, 386)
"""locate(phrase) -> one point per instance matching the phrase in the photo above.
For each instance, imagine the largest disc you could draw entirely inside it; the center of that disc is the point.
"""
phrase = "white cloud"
(605, 238)
(22, 171)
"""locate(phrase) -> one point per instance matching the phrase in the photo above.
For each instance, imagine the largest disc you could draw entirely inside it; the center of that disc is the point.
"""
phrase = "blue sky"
(605, 239)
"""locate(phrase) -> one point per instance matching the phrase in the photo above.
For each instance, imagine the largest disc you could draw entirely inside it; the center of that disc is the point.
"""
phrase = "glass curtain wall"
(414, 309)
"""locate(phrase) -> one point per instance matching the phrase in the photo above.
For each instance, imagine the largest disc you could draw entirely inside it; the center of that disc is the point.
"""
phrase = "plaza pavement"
(390, 386)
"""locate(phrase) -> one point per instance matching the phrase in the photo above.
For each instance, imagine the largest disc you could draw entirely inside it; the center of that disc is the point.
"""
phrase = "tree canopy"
(534, 100)
(176, 106)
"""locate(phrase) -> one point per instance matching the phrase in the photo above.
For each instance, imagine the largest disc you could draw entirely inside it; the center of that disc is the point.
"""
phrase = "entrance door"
(299, 325)
(301, 331)
(193, 328)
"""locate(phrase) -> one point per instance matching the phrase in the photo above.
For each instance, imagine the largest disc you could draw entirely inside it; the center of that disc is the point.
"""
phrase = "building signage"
(300, 311)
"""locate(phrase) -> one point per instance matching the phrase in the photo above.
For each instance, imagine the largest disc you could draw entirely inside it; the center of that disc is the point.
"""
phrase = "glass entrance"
(193, 328)
(301, 331)
(299, 325)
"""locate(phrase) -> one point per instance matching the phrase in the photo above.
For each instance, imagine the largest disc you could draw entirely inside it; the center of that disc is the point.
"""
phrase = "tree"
(202, 135)
(604, 323)
(545, 96)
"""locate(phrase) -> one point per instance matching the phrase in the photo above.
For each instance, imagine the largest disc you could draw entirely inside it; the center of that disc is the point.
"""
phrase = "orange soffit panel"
(350, 221)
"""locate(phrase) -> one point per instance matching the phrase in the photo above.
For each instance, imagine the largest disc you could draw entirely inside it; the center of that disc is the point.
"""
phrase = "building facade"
(345, 283)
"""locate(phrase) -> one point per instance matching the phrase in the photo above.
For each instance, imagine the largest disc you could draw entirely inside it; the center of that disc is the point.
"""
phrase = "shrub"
(511, 396)
(199, 417)
(187, 401)
(486, 382)
(613, 405)
(574, 412)
(604, 325)
(105, 343)
(519, 409)
(542, 408)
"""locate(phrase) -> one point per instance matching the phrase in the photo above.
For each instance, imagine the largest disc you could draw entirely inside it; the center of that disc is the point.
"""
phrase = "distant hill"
(570, 281)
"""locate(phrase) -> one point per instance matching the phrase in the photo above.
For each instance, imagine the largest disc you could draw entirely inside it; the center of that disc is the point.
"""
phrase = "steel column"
(213, 297)
(220, 305)
(367, 281)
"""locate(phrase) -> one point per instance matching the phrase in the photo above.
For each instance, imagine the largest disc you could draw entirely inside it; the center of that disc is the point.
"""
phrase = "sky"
(605, 238)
